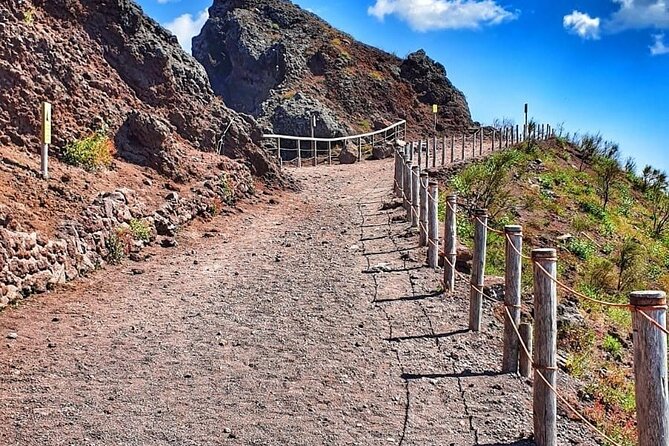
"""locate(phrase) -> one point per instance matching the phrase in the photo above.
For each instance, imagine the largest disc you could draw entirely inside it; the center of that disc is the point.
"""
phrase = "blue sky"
(592, 65)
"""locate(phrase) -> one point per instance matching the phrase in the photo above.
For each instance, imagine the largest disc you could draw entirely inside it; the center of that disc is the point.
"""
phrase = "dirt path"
(311, 321)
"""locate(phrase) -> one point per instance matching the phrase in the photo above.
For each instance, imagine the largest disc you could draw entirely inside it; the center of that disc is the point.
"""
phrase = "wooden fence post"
(480, 141)
(396, 185)
(512, 284)
(427, 153)
(419, 152)
(434, 151)
(474, 145)
(492, 138)
(330, 153)
(545, 346)
(450, 242)
(525, 366)
(314, 152)
(478, 269)
(415, 195)
(278, 144)
(407, 189)
(422, 225)
(650, 367)
(463, 146)
(433, 225)
(452, 148)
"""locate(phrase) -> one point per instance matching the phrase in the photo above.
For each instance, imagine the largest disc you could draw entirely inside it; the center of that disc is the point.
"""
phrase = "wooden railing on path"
(522, 352)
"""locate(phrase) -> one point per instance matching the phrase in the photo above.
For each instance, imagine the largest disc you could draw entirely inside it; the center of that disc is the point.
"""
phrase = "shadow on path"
(426, 336)
(464, 374)
(410, 298)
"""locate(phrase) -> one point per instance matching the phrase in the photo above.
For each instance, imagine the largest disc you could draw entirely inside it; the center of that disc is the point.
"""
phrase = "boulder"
(383, 151)
(348, 155)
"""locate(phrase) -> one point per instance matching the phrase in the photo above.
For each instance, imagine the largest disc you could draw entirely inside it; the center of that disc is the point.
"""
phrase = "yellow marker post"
(435, 110)
(46, 138)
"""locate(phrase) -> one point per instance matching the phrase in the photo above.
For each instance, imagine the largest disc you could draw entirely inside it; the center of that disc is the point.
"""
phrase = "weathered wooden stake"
(473, 145)
(400, 177)
(525, 366)
(427, 153)
(452, 148)
(650, 367)
(480, 141)
(415, 195)
(512, 276)
(396, 187)
(545, 346)
(419, 152)
(478, 269)
(422, 226)
(433, 225)
(434, 151)
(450, 242)
(407, 189)
(463, 146)
(492, 138)
(360, 148)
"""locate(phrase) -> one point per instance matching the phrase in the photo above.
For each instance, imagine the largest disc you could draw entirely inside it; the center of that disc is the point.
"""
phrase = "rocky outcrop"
(260, 54)
(104, 61)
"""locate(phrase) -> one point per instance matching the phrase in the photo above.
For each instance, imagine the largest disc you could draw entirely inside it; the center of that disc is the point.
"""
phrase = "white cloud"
(582, 25)
(427, 15)
(659, 48)
(185, 27)
(639, 14)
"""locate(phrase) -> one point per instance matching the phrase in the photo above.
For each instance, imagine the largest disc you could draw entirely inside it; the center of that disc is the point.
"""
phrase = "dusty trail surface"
(311, 321)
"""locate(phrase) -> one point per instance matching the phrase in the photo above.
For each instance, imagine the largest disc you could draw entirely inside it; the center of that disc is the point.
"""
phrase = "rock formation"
(279, 63)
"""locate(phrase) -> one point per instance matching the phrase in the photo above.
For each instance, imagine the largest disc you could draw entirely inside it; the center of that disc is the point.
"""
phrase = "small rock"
(12, 335)
(168, 242)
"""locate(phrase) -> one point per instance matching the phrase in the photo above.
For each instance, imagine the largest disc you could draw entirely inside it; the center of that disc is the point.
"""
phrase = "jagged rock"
(348, 155)
(568, 315)
(463, 260)
(261, 53)
(383, 151)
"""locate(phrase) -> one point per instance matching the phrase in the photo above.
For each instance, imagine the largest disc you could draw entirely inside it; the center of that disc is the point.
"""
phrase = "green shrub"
(227, 189)
(115, 248)
(582, 249)
(91, 153)
(613, 346)
(593, 209)
(140, 230)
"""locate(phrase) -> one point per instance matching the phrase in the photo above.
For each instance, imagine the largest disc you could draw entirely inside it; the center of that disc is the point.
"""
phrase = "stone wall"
(31, 263)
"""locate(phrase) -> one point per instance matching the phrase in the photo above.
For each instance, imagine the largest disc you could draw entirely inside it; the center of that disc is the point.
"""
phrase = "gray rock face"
(260, 54)
(383, 151)
(293, 117)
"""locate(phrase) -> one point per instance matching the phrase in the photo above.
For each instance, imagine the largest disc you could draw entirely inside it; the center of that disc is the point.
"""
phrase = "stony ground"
(307, 319)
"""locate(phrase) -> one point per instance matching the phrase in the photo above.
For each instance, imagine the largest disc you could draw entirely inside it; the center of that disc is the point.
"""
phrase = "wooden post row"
(478, 269)
(545, 346)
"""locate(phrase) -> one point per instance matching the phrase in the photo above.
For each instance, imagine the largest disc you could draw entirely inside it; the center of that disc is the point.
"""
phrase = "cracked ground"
(309, 321)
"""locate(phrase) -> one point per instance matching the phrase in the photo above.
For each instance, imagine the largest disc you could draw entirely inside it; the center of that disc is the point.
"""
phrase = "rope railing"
(652, 316)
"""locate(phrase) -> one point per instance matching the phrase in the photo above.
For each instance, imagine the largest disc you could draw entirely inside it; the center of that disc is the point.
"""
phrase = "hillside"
(280, 63)
(136, 127)
(610, 227)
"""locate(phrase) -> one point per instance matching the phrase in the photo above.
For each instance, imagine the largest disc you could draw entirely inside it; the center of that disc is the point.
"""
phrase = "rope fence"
(530, 347)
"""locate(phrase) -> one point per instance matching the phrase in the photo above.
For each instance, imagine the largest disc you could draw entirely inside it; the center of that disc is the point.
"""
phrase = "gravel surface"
(308, 321)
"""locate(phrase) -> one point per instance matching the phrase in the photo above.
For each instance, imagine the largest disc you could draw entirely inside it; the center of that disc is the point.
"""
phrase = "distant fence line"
(521, 351)
(305, 149)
